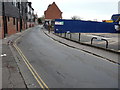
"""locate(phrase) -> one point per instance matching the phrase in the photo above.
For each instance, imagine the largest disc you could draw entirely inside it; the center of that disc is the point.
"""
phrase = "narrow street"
(49, 45)
(61, 66)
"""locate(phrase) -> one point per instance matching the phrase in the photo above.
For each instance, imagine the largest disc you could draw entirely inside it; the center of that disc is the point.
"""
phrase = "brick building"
(13, 17)
(52, 12)
(30, 14)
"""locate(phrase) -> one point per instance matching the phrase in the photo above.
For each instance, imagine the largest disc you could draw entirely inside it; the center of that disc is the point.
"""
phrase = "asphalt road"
(61, 66)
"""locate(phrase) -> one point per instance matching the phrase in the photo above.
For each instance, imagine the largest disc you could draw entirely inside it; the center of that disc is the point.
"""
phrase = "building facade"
(52, 12)
(13, 18)
(30, 15)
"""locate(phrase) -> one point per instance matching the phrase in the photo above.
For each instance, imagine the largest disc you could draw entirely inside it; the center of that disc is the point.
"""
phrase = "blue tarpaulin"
(79, 26)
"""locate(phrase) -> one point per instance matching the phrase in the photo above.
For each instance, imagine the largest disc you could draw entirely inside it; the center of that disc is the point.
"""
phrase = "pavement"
(108, 55)
(113, 39)
(60, 63)
(11, 74)
(12, 77)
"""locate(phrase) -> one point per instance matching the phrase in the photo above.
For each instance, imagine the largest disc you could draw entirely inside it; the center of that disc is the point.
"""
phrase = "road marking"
(33, 69)
(30, 67)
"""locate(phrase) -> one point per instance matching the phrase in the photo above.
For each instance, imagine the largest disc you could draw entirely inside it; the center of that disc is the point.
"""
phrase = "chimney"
(53, 2)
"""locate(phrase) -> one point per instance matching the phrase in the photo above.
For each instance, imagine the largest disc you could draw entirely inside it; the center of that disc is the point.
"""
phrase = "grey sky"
(86, 9)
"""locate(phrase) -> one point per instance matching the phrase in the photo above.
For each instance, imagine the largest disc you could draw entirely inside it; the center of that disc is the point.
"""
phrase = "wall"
(1, 22)
(1, 27)
(79, 26)
(0, 8)
(12, 11)
(11, 27)
(53, 12)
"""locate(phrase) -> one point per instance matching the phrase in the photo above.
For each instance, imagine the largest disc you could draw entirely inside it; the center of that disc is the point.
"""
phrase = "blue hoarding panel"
(115, 17)
(79, 26)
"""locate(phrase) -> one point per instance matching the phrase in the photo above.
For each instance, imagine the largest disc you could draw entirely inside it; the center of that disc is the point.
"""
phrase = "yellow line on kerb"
(30, 67)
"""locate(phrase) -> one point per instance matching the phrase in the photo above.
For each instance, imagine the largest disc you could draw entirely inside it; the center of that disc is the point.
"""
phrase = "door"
(20, 25)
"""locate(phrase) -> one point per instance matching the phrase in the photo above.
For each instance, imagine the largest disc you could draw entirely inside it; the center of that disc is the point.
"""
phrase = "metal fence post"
(70, 35)
(65, 34)
(61, 34)
(79, 37)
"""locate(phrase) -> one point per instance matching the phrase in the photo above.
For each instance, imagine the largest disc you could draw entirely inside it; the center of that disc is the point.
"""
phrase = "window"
(18, 4)
(28, 9)
(25, 10)
(14, 2)
(20, 1)
(26, 17)
(13, 21)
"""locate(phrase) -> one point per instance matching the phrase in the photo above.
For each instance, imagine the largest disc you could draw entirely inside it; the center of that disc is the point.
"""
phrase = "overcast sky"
(86, 9)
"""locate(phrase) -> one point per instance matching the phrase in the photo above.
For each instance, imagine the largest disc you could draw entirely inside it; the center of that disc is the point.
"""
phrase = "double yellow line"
(30, 67)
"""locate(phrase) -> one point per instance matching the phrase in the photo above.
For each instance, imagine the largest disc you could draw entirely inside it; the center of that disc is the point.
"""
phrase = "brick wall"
(18, 25)
(12, 11)
(28, 24)
(24, 25)
(1, 27)
(53, 12)
(11, 27)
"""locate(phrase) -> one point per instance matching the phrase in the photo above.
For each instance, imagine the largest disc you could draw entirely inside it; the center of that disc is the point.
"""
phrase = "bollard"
(70, 35)
(65, 35)
(61, 34)
(58, 34)
(106, 42)
(79, 37)
(48, 31)
(92, 39)
(101, 39)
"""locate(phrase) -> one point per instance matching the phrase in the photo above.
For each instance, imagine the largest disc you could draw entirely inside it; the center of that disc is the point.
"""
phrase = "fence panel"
(79, 26)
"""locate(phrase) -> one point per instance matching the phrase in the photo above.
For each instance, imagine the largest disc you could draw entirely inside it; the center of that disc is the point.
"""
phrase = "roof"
(50, 5)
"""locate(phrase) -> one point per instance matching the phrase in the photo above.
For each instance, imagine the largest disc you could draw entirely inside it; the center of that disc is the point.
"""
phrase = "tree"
(42, 18)
(75, 18)
(39, 21)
